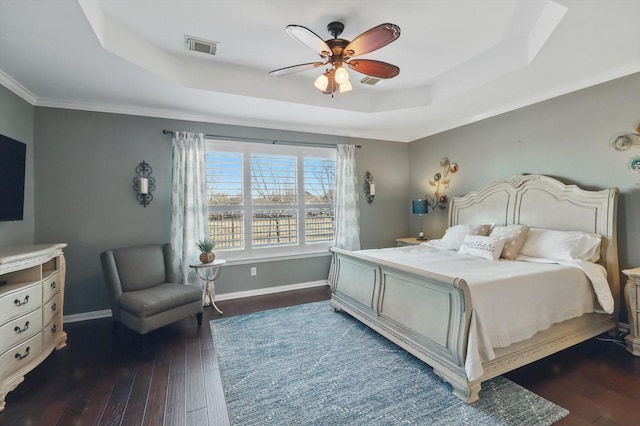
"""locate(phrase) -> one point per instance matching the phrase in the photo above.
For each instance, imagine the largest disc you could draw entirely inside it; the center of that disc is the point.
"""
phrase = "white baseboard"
(106, 313)
(85, 316)
(270, 290)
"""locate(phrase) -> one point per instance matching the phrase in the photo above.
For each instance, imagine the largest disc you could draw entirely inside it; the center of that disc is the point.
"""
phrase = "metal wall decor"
(626, 141)
(144, 184)
(441, 182)
(369, 187)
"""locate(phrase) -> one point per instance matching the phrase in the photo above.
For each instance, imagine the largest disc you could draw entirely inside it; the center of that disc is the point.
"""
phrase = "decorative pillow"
(454, 236)
(514, 236)
(480, 246)
(562, 245)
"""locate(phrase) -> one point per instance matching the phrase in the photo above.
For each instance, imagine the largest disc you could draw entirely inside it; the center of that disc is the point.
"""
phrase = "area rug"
(308, 365)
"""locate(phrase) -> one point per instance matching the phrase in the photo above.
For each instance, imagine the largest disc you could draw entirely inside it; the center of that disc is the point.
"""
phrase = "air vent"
(200, 45)
(371, 81)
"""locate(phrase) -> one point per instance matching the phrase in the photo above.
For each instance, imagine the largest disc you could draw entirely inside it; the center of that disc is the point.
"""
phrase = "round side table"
(208, 279)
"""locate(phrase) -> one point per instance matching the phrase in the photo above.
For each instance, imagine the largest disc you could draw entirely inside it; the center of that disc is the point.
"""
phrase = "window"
(267, 200)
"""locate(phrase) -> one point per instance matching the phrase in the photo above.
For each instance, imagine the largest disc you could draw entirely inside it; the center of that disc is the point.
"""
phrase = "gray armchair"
(142, 290)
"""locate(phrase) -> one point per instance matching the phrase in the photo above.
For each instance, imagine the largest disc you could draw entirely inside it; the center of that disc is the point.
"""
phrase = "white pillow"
(454, 236)
(562, 245)
(515, 236)
(480, 246)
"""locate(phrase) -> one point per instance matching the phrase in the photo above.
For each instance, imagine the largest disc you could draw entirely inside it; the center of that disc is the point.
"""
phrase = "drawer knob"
(53, 284)
(53, 307)
(17, 302)
(23, 356)
(23, 329)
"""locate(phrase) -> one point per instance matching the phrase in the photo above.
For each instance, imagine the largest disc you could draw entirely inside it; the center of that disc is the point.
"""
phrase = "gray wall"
(567, 137)
(16, 122)
(85, 165)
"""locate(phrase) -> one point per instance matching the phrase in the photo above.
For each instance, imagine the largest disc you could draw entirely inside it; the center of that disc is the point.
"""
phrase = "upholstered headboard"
(543, 202)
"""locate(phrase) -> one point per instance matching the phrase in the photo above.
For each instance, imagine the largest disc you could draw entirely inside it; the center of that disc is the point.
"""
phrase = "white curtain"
(189, 214)
(347, 221)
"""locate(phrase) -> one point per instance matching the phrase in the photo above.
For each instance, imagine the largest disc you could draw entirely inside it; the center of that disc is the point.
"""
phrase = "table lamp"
(420, 207)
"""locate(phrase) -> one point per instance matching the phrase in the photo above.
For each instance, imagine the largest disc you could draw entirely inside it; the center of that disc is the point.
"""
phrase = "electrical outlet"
(254, 271)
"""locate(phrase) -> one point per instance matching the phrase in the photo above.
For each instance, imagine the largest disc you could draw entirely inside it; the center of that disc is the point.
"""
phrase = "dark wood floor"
(171, 379)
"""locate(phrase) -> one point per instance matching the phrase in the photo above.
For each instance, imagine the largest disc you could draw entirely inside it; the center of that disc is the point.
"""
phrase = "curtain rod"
(271, 141)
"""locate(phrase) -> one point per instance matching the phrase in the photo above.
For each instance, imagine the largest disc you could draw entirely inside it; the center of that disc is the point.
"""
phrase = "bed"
(417, 298)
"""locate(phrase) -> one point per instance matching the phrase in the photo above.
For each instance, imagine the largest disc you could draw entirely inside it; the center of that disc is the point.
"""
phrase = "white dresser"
(31, 303)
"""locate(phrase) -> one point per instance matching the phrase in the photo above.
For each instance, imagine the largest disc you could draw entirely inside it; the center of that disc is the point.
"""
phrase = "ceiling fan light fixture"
(337, 52)
(322, 82)
(341, 75)
(345, 87)
(332, 86)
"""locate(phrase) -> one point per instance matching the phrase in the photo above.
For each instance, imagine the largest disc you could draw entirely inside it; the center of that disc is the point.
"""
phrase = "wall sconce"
(420, 207)
(441, 182)
(369, 187)
(144, 184)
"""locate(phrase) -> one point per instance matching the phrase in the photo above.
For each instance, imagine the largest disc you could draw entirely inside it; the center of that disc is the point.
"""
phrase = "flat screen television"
(13, 156)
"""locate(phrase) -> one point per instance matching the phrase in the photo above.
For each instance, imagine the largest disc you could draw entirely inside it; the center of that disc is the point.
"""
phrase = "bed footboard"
(426, 314)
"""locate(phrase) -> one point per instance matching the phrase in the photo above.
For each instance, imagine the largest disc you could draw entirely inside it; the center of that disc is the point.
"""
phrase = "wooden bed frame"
(429, 314)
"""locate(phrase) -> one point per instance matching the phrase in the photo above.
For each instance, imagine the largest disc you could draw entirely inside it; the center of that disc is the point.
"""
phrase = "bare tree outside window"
(274, 183)
(320, 184)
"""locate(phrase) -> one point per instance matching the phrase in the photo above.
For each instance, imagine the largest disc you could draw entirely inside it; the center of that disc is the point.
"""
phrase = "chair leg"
(199, 316)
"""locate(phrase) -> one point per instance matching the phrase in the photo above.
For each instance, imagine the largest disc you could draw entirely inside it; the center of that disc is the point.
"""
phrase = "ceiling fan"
(337, 52)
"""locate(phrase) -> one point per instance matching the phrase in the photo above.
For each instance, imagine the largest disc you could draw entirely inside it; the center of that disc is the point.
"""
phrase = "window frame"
(303, 248)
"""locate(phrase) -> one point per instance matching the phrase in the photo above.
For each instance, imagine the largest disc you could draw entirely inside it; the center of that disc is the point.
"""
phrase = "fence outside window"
(261, 196)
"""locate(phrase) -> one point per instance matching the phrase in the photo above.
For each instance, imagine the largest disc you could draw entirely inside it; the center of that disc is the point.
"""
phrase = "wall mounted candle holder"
(144, 184)
(369, 187)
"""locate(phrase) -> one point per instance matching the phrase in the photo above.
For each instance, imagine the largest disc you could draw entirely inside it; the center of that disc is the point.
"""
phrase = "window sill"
(275, 258)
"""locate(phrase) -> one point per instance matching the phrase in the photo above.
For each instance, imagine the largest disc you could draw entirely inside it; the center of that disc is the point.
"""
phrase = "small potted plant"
(206, 246)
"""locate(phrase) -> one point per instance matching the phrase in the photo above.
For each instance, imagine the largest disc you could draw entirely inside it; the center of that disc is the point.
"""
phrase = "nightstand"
(410, 241)
(631, 295)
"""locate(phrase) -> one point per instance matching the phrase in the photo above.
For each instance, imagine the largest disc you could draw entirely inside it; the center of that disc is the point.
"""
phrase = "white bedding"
(512, 299)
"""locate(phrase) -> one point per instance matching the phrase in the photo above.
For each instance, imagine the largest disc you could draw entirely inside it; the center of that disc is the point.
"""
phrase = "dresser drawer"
(20, 355)
(20, 302)
(51, 308)
(52, 331)
(50, 286)
(19, 329)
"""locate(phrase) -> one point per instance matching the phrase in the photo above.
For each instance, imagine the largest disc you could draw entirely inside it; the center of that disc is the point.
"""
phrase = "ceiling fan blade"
(309, 38)
(373, 39)
(296, 68)
(373, 68)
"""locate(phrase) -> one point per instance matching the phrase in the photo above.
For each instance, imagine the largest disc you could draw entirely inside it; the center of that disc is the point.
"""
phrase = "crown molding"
(426, 131)
(10, 83)
(206, 118)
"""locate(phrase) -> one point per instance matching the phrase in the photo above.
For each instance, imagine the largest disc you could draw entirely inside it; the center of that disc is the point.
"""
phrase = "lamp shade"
(345, 87)
(341, 75)
(420, 206)
(321, 82)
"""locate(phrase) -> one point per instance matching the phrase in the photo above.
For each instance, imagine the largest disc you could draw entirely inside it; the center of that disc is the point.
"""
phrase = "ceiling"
(460, 61)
